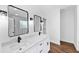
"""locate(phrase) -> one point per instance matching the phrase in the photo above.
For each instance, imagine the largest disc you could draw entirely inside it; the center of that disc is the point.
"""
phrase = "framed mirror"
(17, 21)
(44, 26)
(37, 23)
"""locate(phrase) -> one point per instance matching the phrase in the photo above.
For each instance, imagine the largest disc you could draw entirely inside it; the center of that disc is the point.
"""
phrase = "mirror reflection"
(18, 21)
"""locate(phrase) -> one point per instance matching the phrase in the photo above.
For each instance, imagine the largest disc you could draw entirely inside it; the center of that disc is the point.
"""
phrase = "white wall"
(77, 47)
(67, 24)
(53, 25)
(75, 27)
(3, 26)
(3, 7)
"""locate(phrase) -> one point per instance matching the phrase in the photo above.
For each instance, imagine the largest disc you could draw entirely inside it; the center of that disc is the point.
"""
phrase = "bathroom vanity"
(15, 36)
(29, 44)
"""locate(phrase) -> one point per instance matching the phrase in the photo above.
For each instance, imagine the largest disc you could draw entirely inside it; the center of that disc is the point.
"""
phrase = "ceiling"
(41, 10)
(3, 7)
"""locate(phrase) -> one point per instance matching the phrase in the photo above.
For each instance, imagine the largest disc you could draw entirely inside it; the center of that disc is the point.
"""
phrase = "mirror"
(23, 24)
(44, 26)
(18, 21)
(37, 23)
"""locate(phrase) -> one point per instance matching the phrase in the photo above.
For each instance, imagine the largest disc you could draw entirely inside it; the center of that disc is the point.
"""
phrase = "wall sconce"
(31, 18)
(4, 13)
(41, 21)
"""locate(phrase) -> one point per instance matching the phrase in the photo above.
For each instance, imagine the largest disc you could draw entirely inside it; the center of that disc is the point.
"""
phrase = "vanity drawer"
(20, 49)
(34, 49)
(46, 47)
(41, 51)
(41, 43)
(37, 48)
(40, 47)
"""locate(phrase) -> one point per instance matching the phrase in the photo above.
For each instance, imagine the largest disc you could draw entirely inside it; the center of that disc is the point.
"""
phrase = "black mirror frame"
(27, 20)
(34, 19)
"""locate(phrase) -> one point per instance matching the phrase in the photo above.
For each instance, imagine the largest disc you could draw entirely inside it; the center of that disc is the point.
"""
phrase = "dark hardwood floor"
(63, 48)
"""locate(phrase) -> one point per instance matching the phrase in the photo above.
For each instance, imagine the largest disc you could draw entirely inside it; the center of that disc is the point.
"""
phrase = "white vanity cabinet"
(34, 44)
(42, 46)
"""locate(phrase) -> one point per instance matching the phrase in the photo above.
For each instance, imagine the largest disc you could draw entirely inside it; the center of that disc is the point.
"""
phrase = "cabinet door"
(46, 47)
(34, 49)
(40, 47)
(37, 48)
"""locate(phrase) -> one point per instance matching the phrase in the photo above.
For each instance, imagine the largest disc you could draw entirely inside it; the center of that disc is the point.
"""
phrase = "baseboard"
(58, 43)
(69, 44)
(54, 43)
(75, 47)
(66, 42)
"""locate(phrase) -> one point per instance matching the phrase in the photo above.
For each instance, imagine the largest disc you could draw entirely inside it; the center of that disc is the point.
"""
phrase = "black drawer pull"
(41, 51)
(40, 44)
(47, 43)
(20, 49)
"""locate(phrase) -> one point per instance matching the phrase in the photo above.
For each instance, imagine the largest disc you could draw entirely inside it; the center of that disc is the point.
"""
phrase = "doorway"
(67, 27)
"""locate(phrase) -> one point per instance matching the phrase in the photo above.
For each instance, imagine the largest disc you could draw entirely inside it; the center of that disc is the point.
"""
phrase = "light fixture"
(3, 13)
(31, 18)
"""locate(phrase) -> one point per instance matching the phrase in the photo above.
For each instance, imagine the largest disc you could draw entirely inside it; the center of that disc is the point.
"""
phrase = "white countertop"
(24, 44)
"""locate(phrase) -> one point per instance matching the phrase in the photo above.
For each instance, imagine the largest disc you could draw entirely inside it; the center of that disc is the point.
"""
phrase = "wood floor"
(63, 48)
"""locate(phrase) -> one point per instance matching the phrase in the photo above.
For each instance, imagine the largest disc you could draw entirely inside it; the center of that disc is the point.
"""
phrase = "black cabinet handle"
(13, 32)
(40, 44)
(20, 49)
(47, 43)
(41, 51)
